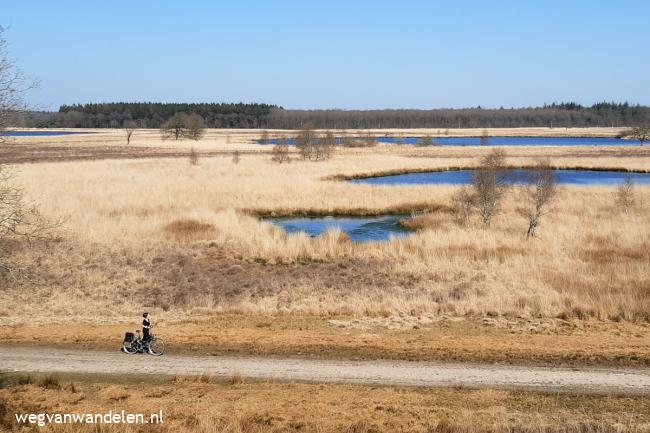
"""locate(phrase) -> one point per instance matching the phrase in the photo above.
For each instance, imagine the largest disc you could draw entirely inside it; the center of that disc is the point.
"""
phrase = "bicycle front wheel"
(156, 346)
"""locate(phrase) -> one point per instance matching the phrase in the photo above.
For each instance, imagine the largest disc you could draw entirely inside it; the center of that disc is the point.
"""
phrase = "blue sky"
(333, 54)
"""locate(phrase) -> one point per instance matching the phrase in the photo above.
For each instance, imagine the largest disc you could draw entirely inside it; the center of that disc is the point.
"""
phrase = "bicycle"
(133, 344)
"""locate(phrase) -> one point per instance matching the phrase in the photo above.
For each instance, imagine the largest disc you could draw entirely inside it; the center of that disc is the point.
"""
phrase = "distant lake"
(497, 141)
(359, 229)
(41, 133)
(518, 141)
(463, 177)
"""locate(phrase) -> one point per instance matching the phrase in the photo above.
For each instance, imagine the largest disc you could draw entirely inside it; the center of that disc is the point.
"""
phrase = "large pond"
(497, 141)
(462, 177)
(359, 229)
(41, 133)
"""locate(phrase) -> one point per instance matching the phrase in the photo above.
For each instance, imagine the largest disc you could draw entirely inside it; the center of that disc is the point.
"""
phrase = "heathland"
(186, 241)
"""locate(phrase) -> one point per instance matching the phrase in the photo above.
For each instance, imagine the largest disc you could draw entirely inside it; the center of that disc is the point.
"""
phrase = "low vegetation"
(237, 407)
(280, 152)
(625, 195)
(124, 219)
(312, 147)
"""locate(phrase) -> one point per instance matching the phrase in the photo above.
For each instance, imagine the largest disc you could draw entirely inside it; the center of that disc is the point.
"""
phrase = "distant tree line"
(147, 115)
(554, 115)
(266, 116)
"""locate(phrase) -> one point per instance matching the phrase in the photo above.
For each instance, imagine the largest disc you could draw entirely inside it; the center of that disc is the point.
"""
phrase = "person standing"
(146, 327)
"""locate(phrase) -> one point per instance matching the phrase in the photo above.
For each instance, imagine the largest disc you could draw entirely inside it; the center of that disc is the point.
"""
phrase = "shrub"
(462, 204)
(490, 182)
(51, 381)
(194, 157)
(280, 152)
(625, 194)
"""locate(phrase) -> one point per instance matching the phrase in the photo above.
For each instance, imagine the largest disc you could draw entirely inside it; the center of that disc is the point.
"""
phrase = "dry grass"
(189, 230)
(150, 231)
(408, 337)
(274, 407)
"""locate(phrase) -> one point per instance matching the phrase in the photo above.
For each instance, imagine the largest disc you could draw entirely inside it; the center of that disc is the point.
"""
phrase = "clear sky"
(333, 54)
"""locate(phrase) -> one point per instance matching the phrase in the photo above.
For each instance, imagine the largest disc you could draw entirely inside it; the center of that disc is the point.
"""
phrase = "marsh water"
(495, 141)
(359, 229)
(463, 177)
(41, 133)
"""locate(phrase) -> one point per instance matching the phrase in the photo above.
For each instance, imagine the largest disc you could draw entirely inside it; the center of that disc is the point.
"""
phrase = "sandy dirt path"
(403, 373)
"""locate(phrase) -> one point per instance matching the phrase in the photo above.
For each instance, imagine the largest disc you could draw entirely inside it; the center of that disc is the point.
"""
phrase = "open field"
(146, 143)
(242, 406)
(185, 243)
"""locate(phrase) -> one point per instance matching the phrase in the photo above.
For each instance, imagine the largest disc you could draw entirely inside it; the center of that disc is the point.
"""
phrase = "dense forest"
(240, 115)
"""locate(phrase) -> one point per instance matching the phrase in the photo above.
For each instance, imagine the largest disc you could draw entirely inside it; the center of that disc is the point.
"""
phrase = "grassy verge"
(555, 342)
(198, 404)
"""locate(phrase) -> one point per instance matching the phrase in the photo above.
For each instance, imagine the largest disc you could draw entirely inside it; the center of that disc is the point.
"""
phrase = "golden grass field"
(185, 241)
(239, 406)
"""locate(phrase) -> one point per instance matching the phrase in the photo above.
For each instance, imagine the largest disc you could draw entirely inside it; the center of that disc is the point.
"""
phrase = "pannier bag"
(129, 337)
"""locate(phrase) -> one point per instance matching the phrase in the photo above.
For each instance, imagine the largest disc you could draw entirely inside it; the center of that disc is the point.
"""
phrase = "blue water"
(40, 133)
(291, 141)
(359, 229)
(501, 141)
(463, 177)
(518, 141)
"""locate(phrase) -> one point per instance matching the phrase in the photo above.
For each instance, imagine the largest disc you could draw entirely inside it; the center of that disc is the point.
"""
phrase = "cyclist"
(146, 326)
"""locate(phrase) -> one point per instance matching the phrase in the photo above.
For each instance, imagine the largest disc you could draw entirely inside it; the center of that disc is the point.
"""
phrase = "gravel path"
(404, 373)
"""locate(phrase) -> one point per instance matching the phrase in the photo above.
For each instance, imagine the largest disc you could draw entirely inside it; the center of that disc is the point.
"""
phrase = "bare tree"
(485, 138)
(264, 138)
(641, 133)
(490, 182)
(13, 87)
(369, 139)
(305, 141)
(325, 146)
(129, 129)
(194, 157)
(20, 220)
(540, 187)
(280, 151)
(625, 196)
(175, 127)
(195, 126)
(236, 157)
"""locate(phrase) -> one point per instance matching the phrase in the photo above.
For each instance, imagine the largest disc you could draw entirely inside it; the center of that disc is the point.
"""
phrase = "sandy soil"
(633, 381)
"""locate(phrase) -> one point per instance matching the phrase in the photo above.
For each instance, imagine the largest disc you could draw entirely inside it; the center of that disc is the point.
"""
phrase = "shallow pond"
(463, 177)
(41, 133)
(497, 141)
(359, 229)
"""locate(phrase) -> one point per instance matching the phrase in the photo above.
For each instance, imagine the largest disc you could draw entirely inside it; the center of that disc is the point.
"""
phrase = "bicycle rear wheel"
(156, 346)
(130, 347)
